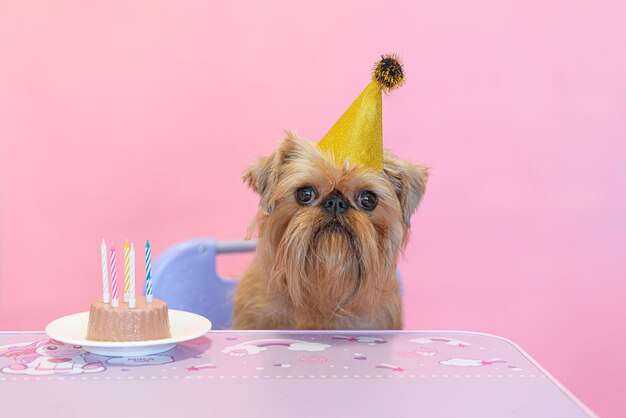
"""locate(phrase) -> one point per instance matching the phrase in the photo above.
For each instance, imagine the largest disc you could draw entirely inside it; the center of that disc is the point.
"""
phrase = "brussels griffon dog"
(329, 240)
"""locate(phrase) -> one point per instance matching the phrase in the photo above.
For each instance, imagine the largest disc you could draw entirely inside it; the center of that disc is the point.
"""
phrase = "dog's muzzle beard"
(324, 265)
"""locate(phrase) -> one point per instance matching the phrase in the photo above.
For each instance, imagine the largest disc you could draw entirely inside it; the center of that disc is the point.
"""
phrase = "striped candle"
(131, 298)
(115, 301)
(148, 272)
(106, 297)
(126, 271)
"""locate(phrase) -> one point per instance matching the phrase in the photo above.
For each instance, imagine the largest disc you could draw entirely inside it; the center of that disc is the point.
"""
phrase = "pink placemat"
(370, 374)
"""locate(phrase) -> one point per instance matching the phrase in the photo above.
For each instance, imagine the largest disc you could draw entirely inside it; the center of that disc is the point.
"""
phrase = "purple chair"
(185, 277)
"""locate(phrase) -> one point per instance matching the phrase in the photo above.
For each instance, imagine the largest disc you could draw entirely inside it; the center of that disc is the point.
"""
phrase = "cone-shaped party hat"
(358, 134)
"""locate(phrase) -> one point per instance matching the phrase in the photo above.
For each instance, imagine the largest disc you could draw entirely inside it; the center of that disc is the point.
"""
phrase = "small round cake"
(146, 321)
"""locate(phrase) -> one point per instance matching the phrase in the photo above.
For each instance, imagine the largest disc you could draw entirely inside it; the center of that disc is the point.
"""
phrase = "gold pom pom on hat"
(388, 72)
(357, 137)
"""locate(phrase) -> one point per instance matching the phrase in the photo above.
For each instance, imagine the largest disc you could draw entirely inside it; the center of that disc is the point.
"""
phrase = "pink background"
(135, 120)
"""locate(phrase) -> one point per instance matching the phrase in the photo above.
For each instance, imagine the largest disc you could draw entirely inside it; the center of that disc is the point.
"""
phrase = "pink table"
(285, 374)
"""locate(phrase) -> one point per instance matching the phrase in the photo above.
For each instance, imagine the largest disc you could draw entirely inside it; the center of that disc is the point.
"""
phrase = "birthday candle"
(106, 297)
(131, 298)
(115, 300)
(148, 272)
(126, 271)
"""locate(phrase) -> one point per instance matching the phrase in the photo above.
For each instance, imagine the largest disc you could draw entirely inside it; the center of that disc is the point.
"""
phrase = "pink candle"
(115, 301)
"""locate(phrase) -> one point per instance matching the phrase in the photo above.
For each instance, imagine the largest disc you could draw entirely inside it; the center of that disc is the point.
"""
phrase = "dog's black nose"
(335, 204)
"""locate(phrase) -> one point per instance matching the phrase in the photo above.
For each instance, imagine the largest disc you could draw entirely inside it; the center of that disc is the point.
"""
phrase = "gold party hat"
(358, 134)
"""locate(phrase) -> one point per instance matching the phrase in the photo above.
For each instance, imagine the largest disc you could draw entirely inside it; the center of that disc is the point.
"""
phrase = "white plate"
(72, 329)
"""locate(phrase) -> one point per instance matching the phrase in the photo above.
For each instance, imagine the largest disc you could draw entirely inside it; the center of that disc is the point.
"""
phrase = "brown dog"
(329, 240)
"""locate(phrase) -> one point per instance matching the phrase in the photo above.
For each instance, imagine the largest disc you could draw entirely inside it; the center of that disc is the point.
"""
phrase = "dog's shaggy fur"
(316, 270)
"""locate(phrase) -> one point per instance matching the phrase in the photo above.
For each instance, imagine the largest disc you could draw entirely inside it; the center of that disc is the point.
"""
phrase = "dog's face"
(328, 232)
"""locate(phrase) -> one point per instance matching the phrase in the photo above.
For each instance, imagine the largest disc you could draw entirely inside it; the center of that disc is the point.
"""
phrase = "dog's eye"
(367, 200)
(305, 195)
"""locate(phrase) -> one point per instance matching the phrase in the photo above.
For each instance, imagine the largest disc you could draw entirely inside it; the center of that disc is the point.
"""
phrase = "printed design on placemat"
(257, 346)
(444, 340)
(391, 367)
(366, 340)
(313, 359)
(418, 352)
(269, 356)
(464, 362)
(46, 357)
(140, 360)
(283, 365)
(199, 367)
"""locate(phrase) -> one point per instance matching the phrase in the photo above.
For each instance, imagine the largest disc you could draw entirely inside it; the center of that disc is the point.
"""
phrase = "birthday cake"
(146, 321)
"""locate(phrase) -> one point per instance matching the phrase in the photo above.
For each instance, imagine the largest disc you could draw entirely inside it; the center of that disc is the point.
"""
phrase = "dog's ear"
(408, 181)
(262, 177)
(265, 173)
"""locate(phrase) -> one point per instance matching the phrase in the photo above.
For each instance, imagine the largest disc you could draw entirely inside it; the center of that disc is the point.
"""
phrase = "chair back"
(185, 277)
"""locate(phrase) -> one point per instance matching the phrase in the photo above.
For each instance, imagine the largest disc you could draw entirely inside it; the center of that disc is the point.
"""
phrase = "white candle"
(106, 296)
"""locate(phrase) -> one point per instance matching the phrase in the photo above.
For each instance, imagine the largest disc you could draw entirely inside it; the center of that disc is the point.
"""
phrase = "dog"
(329, 238)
